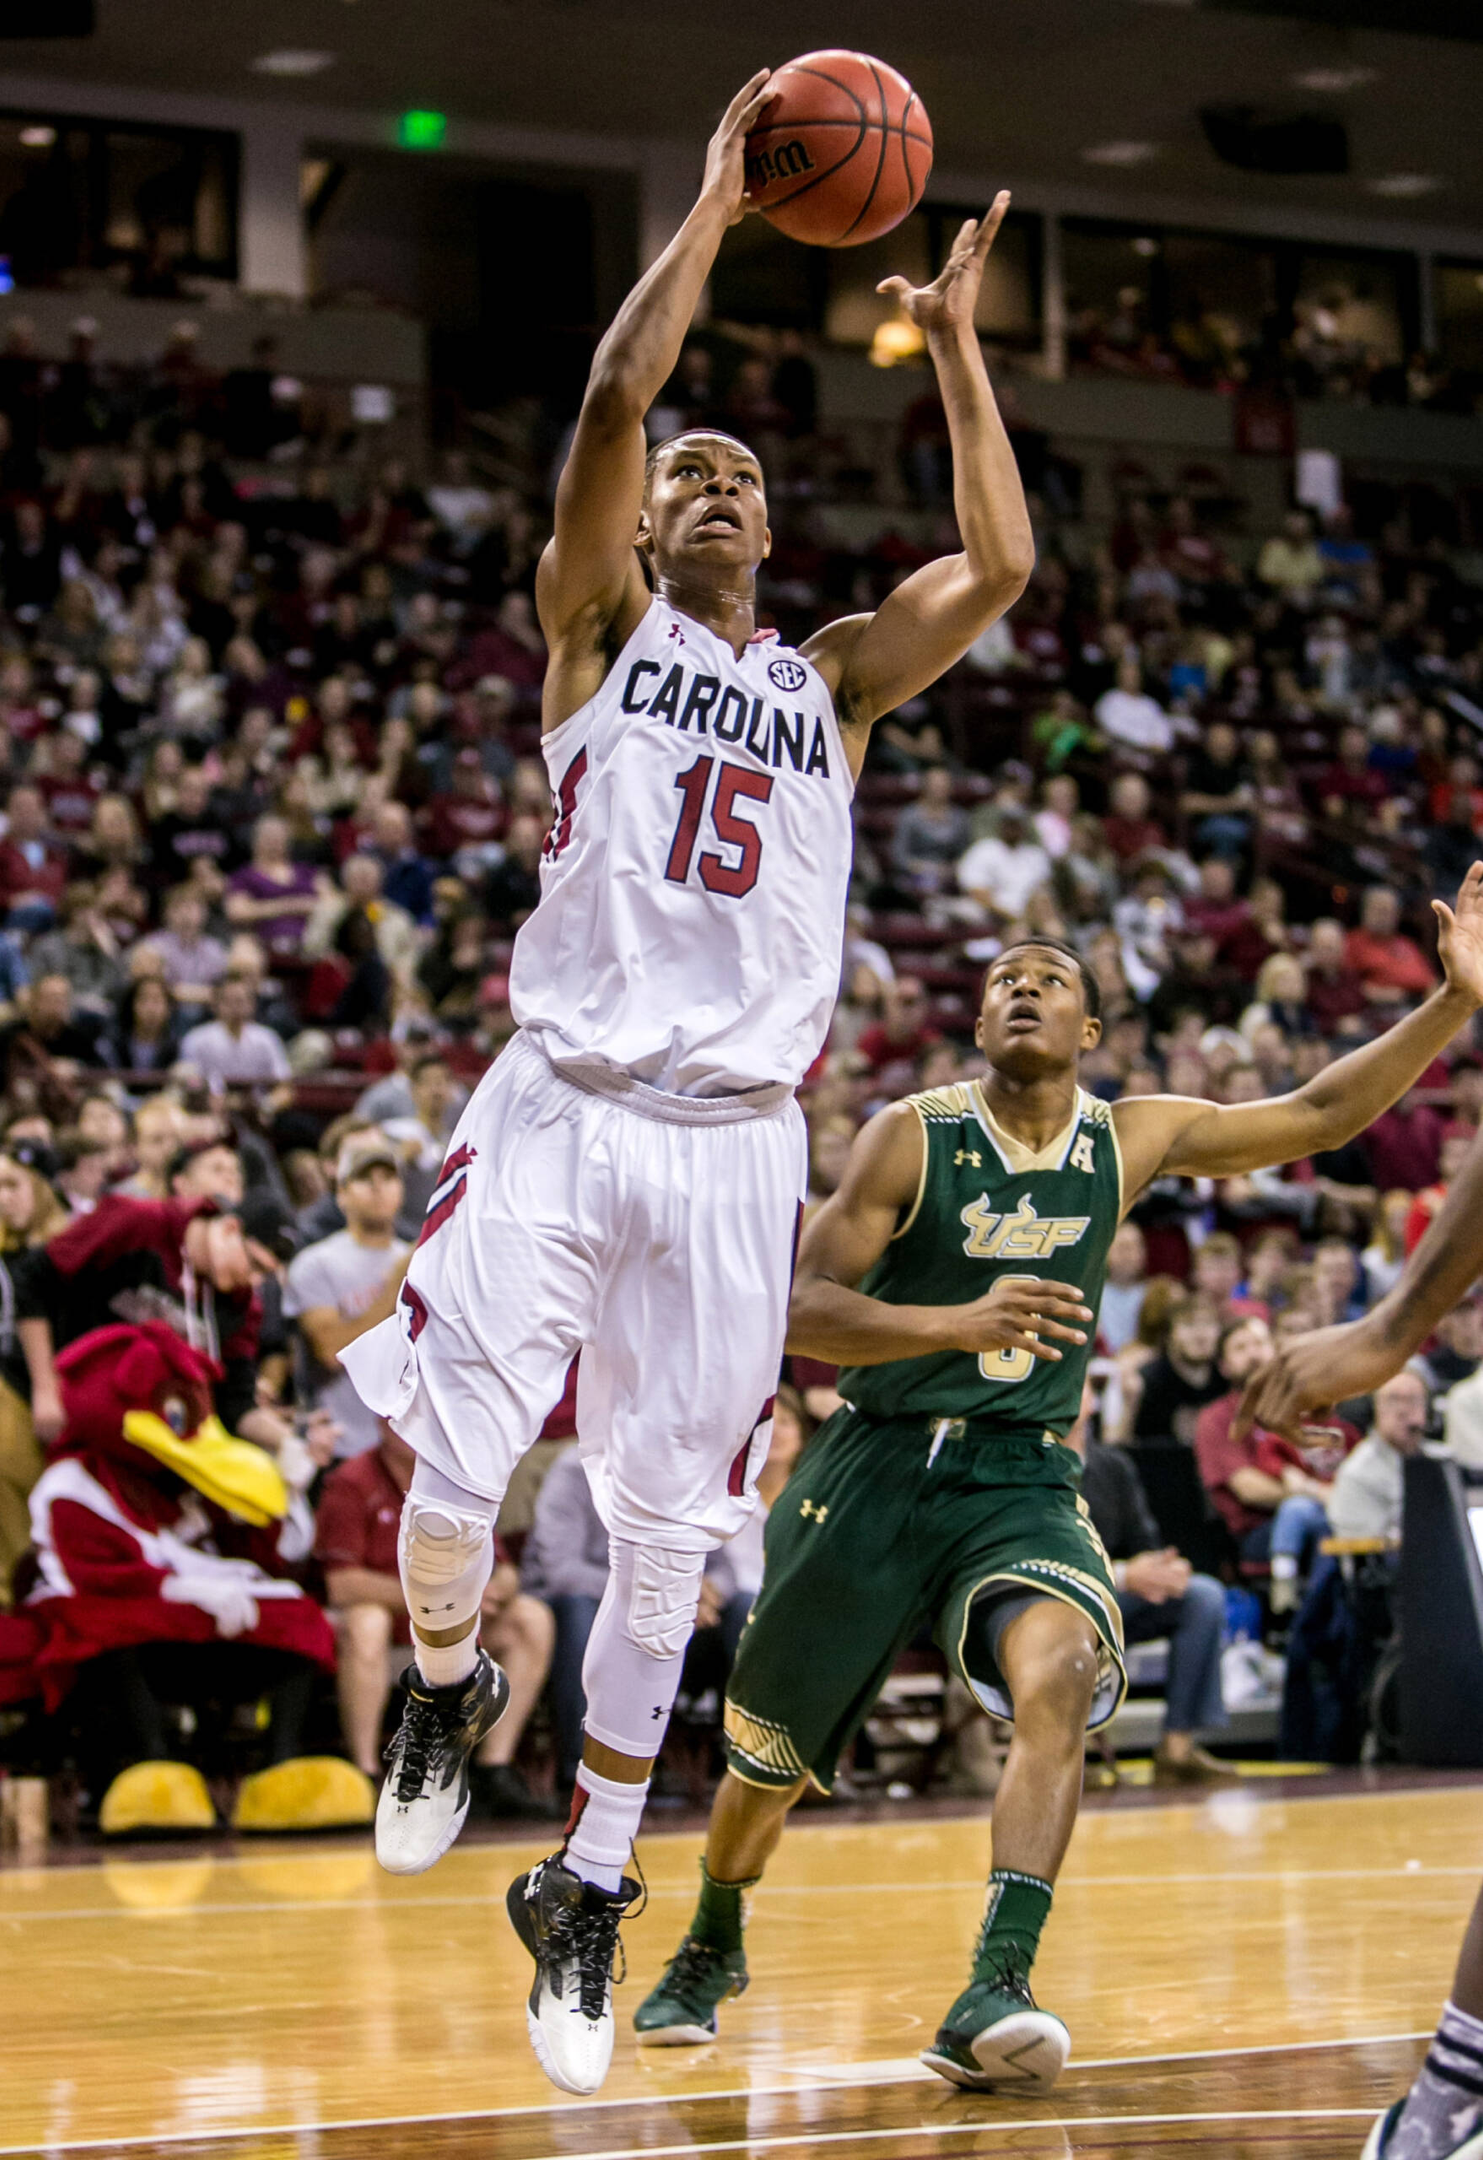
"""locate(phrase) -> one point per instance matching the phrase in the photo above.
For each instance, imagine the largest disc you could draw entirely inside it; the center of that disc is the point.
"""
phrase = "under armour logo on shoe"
(810, 1510)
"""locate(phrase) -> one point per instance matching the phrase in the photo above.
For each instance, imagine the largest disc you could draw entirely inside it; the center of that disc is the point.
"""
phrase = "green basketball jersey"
(988, 1208)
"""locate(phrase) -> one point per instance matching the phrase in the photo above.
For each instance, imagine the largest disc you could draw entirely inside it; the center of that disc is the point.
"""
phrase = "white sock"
(604, 1823)
(444, 1664)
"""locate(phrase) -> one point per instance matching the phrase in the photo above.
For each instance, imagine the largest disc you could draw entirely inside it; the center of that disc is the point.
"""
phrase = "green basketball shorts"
(889, 1526)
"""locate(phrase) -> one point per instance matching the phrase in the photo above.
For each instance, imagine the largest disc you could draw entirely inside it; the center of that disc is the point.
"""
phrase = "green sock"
(1017, 1909)
(719, 1917)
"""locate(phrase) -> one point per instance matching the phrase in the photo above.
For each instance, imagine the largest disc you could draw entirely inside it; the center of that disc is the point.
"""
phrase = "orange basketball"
(845, 152)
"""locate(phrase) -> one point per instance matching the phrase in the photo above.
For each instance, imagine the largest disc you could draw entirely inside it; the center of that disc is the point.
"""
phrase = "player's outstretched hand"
(953, 294)
(1311, 1373)
(1460, 936)
(726, 157)
(1019, 1313)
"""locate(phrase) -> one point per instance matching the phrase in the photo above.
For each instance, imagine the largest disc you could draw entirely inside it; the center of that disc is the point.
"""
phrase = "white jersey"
(694, 882)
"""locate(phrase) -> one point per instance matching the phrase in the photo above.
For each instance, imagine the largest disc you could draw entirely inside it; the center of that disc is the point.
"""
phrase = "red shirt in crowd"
(1405, 1148)
(36, 868)
(1332, 998)
(1318, 1454)
(1129, 838)
(1393, 963)
(1220, 1457)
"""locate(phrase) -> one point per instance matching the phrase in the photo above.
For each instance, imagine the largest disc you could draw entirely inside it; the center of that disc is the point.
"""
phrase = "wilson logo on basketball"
(787, 674)
(785, 162)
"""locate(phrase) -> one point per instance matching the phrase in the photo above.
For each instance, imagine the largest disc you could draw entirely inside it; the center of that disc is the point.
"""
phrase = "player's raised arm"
(829, 1318)
(874, 662)
(589, 574)
(1310, 1372)
(1161, 1134)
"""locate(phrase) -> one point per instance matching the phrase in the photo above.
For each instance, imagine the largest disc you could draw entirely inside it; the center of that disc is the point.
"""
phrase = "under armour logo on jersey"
(675, 634)
(968, 1154)
(1024, 1235)
(1082, 1157)
(809, 1510)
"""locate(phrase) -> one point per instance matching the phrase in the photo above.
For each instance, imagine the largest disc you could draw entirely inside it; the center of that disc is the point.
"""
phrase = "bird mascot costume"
(163, 1547)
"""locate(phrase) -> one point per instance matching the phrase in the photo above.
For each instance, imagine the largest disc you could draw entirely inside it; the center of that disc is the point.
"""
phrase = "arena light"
(1120, 153)
(422, 130)
(896, 340)
(292, 61)
(38, 138)
(1334, 81)
(1405, 186)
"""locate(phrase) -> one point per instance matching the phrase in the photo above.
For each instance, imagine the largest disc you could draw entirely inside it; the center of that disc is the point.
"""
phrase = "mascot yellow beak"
(232, 1473)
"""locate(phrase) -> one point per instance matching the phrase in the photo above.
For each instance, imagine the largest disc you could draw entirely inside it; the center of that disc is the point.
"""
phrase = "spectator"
(159, 1133)
(407, 880)
(346, 1283)
(271, 895)
(1290, 562)
(1391, 967)
(234, 1050)
(1368, 1486)
(1384, 1258)
(1217, 1271)
(357, 1547)
(931, 834)
(146, 1033)
(513, 887)
(1122, 1296)
(1002, 872)
(1404, 1145)
(1159, 1595)
(1333, 995)
(904, 1030)
(422, 1139)
(33, 868)
(1218, 791)
(1126, 714)
(1166, 1396)
(1454, 1352)
(194, 963)
(1269, 1493)
(1130, 830)
(84, 949)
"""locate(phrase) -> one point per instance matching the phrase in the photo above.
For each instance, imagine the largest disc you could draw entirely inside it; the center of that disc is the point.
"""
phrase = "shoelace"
(692, 1964)
(588, 1939)
(1005, 1976)
(421, 1741)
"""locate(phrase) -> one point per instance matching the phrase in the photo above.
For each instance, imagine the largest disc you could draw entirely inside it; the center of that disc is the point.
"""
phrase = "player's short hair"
(691, 433)
(1091, 989)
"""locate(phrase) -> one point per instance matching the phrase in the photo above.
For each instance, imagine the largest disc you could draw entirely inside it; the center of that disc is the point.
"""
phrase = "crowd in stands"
(273, 811)
(1310, 354)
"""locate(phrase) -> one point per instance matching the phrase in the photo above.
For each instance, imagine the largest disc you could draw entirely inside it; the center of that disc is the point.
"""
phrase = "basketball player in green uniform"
(954, 1277)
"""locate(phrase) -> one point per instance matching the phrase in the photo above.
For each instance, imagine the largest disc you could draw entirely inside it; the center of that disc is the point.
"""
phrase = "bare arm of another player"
(1311, 1371)
(874, 662)
(1164, 1134)
(830, 1319)
(590, 592)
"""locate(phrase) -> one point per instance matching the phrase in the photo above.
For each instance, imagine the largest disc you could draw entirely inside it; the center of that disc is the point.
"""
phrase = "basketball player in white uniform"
(627, 1178)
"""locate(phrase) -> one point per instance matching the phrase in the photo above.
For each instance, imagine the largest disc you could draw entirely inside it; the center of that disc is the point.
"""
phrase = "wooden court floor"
(1250, 1975)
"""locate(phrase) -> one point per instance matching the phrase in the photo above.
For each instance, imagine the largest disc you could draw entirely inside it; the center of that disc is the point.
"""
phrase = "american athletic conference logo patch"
(787, 674)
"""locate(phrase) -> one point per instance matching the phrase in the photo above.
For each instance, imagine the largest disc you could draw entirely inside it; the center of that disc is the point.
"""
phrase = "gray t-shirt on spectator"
(256, 1057)
(338, 1272)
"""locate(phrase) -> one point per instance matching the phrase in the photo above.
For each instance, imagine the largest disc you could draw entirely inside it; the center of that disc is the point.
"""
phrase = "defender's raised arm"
(589, 576)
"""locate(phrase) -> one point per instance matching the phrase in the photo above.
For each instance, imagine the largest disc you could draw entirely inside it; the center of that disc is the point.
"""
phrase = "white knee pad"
(659, 1592)
(636, 1651)
(446, 1552)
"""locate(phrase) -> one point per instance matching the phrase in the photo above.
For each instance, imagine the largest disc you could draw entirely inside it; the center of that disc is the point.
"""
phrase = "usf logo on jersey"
(1024, 1235)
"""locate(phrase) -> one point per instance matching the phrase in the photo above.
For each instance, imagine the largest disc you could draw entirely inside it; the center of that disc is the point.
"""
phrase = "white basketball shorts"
(653, 1234)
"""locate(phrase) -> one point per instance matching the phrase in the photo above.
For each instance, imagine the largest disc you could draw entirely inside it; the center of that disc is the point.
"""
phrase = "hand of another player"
(1312, 1372)
(953, 294)
(1460, 936)
(711, 1605)
(726, 155)
(1019, 1313)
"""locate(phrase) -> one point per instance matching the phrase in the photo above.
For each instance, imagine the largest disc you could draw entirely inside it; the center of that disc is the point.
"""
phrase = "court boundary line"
(947, 2130)
(138, 2140)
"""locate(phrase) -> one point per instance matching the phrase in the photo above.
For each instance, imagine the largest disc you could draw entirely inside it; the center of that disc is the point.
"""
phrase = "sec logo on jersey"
(787, 674)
